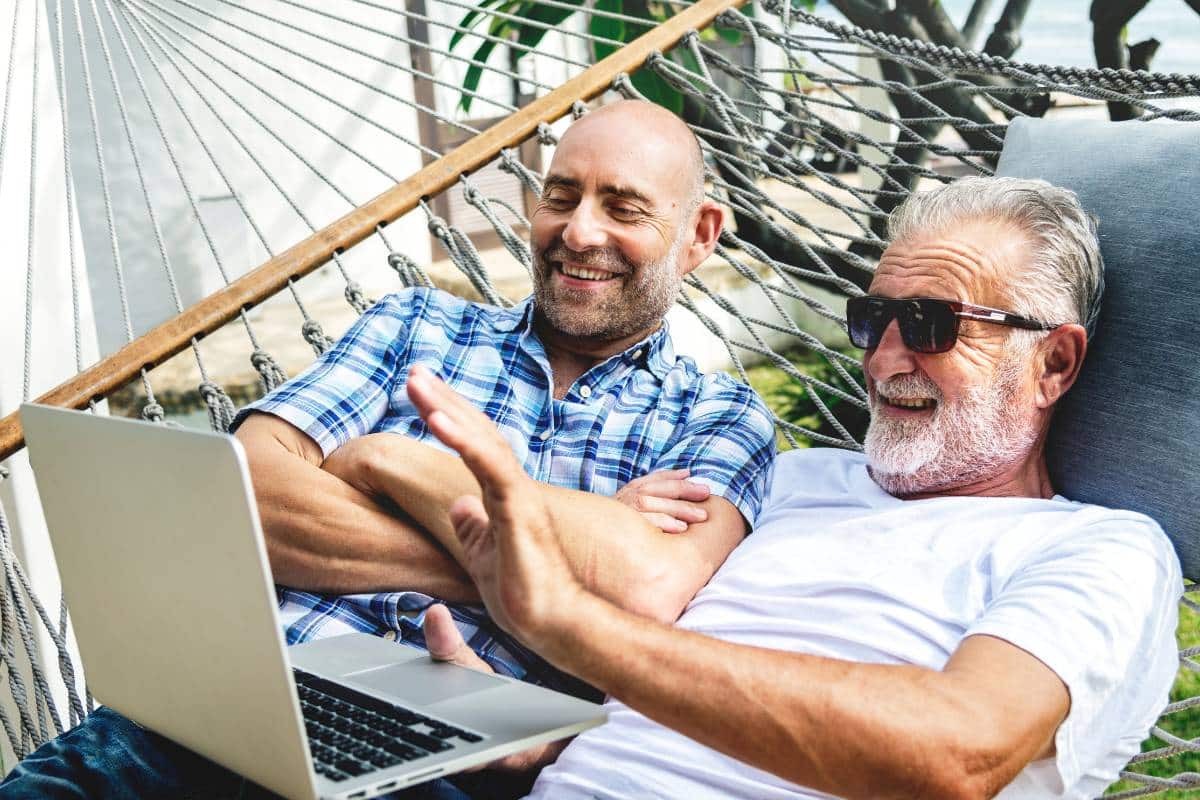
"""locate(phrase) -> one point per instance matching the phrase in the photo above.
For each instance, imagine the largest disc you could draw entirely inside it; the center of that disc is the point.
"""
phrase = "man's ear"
(1060, 356)
(705, 233)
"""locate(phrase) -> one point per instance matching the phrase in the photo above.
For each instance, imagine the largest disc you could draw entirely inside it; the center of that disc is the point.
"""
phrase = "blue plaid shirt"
(639, 411)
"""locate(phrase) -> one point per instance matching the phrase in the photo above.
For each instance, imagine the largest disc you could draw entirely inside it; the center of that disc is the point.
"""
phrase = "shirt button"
(389, 635)
(637, 353)
(585, 391)
(544, 435)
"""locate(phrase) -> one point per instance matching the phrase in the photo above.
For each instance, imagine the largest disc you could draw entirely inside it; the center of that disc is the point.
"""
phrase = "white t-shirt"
(837, 567)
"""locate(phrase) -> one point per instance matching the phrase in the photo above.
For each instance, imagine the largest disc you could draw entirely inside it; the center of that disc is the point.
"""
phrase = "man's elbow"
(970, 770)
(661, 591)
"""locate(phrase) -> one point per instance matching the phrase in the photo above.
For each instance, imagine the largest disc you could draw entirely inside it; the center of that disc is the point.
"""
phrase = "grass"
(789, 400)
(1184, 724)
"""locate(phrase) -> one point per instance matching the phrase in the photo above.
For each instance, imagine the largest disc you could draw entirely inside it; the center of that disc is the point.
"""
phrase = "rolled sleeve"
(728, 444)
(345, 392)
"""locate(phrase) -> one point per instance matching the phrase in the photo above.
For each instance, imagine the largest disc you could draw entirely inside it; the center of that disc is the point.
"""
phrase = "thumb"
(445, 642)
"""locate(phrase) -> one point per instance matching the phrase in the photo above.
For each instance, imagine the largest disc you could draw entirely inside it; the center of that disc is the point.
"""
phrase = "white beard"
(974, 437)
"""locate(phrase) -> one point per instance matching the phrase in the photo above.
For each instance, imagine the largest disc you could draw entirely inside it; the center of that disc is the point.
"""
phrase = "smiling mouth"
(584, 273)
(909, 403)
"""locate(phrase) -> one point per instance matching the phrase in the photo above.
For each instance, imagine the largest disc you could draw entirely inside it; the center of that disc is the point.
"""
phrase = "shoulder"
(423, 300)
(1113, 536)
(719, 393)
(818, 470)
(430, 307)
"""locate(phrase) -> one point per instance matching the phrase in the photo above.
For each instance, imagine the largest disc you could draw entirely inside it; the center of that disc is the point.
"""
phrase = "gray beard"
(645, 296)
(976, 437)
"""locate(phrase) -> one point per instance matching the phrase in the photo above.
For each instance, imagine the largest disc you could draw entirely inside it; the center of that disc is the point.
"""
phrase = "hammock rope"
(813, 131)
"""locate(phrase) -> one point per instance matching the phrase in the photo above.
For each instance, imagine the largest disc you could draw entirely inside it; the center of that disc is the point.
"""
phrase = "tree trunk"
(974, 24)
(1109, 18)
(1006, 36)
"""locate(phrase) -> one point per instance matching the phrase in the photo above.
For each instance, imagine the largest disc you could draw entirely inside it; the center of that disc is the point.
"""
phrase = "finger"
(463, 427)
(677, 490)
(665, 522)
(660, 475)
(431, 395)
(445, 642)
(679, 509)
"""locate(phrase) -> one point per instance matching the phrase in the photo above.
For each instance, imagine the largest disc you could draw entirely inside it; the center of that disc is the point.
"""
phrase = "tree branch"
(1006, 35)
(974, 24)
(937, 24)
(1109, 18)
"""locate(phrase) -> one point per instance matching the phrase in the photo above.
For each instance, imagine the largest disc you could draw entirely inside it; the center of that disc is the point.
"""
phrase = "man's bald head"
(643, 122)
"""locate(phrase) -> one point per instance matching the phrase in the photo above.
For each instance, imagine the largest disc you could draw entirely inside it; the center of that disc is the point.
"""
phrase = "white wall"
(210, 39)
(53, 342)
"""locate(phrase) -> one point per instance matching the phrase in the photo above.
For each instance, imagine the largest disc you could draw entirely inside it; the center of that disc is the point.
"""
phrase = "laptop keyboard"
(351, 733)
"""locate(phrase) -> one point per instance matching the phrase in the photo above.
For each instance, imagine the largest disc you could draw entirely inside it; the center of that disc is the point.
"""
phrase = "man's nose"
(891, 357)
(585, 229)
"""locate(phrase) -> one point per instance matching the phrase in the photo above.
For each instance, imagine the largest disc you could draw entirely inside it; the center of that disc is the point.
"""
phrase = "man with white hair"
(927, 619)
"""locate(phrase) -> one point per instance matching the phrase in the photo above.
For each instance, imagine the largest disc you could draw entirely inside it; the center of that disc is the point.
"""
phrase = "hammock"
(183, 148)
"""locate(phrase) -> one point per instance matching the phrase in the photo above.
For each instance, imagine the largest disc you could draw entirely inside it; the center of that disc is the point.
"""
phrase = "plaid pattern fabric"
(639, 411)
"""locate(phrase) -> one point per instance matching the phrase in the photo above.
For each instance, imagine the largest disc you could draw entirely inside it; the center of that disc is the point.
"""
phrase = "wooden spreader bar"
(169, 338)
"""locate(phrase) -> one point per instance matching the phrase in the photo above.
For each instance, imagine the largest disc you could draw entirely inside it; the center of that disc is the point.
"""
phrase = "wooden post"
(169, 338)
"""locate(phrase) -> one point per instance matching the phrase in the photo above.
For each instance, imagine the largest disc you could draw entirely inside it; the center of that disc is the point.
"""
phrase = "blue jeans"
(109, 756)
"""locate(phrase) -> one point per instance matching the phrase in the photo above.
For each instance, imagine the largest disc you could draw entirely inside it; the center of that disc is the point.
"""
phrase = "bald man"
(654, 470)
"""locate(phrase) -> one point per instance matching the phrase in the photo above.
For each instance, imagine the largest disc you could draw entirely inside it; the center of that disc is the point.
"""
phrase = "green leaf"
(551, 16)
(471, 17)
(475, 74)
(606, 27)
(731, 35)
(656, 90)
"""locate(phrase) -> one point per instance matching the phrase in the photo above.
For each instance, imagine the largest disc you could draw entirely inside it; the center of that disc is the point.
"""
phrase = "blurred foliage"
(791, 401)
(1184, 724)
(526, 23)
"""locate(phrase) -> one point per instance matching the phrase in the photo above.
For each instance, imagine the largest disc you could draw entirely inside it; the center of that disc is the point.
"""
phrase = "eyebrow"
(615, 189)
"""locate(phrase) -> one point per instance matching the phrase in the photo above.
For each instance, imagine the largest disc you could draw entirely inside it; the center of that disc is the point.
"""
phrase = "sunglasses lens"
(866, 318)
(928, 326)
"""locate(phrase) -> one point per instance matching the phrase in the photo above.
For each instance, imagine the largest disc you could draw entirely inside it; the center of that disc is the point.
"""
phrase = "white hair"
(1064, 280)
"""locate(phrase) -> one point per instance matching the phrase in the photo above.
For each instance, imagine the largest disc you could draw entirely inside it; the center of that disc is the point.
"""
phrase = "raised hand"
(509, 545)
(666, 498)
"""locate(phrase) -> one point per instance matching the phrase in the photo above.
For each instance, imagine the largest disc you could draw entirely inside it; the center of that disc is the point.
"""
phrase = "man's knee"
(109, 755)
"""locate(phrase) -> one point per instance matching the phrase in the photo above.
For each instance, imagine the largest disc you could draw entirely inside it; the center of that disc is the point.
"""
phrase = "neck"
(571, 356)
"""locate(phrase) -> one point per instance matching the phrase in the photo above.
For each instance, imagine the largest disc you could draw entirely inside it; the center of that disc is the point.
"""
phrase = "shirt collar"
(520, 315)
(655, 352)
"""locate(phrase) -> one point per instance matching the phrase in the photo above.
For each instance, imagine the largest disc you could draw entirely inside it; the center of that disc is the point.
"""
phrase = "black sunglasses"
(927, 324)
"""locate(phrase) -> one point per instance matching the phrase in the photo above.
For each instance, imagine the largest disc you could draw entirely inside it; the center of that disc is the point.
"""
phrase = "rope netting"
(201, 139)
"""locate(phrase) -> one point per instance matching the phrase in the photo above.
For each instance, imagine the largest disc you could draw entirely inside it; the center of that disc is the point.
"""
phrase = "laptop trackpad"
(424, 681)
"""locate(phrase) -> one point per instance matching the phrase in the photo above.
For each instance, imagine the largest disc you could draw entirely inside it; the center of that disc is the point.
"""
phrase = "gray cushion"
(1128, 434)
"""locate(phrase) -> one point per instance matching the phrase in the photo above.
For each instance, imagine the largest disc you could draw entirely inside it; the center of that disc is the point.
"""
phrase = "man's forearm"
(324, 535)
(850, 729)
(613, 549)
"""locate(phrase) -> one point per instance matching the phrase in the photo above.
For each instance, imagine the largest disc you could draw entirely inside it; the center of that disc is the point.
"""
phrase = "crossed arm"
(846, 728)
(373, 516)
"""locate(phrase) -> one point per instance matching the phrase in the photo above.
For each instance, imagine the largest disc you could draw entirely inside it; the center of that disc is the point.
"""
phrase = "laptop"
(158, 542)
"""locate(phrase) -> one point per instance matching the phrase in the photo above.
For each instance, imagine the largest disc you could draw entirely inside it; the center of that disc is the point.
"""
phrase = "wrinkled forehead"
(616, 151)
(975, 262)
